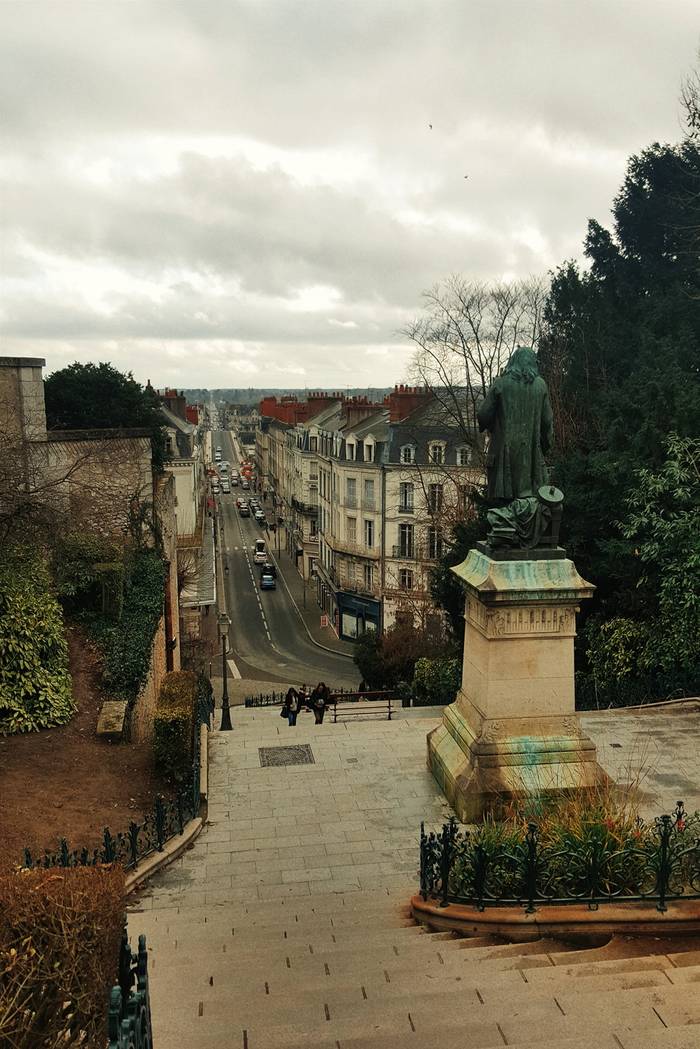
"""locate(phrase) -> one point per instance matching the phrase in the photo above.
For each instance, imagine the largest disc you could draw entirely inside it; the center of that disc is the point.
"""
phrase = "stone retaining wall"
(144, 708)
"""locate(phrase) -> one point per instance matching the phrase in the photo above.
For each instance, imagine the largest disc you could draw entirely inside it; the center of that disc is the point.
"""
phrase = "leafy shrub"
(617, 648)
(174, 722)
(385, 660)
(436, 681)
(127, 645)
(59, 951)
(35, 683)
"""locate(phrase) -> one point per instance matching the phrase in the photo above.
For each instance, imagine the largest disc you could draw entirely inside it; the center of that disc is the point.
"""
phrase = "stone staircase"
(286, 926)
(354, 971)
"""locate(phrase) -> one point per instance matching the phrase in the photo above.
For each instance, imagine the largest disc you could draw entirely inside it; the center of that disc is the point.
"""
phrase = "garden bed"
(65, 782)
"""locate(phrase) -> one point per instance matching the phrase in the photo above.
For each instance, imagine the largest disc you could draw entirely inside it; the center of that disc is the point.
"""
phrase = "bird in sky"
(430, 126)
(466, 176)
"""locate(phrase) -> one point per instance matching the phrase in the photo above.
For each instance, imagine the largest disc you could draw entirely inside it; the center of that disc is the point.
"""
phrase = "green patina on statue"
(516, 412)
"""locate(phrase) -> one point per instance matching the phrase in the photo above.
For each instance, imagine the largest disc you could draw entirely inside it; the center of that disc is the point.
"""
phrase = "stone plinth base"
(512, 731)
(512, 759)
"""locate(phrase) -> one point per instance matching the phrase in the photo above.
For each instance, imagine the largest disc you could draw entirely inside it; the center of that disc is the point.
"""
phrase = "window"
(351, 491)
(369, 534)
(463, 497)
(408, 453)
(369, 577)
(351, 529)
(369, 451)
(406, 498)
(434, 544)
(435, 497)
(313, 444)
(368, 495)
(437, 453)
(313, 530)
(405, 540)
(464, 456)
(406, 579)
(350, 450)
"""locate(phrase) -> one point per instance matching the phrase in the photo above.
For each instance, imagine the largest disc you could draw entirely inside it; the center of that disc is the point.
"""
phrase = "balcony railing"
(358, 549)
(305, 508)
(414, 552)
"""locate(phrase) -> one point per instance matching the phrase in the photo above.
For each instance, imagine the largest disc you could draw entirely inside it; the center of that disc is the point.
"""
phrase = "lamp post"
(224, 623)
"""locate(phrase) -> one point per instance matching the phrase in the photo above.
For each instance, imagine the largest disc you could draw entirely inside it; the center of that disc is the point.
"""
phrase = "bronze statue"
(518, 417)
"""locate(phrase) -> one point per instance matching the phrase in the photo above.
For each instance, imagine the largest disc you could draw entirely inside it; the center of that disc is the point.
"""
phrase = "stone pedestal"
(513, 730)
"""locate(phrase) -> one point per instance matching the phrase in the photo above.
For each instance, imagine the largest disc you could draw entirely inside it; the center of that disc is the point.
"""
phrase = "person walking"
(319, 701)
(292, 705)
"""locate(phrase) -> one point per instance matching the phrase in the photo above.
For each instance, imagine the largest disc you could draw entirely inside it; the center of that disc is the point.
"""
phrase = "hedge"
(436, 681)
(174, 723)
(59, 950)
(35, 682)
(127, 645)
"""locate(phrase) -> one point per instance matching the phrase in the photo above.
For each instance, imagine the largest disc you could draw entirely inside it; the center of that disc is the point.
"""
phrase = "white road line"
(235, 672)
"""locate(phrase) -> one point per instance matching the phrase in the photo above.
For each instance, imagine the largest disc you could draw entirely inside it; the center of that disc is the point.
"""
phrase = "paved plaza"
(349, 821)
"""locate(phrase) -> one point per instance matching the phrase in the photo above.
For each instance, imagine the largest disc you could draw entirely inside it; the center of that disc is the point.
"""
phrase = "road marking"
(235, 672)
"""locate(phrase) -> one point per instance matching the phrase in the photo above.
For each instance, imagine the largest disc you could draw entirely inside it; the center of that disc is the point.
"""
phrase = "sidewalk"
(311, 614)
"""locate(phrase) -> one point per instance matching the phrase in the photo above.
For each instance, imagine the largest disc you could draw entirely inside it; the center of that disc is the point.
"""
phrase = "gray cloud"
(254, 188)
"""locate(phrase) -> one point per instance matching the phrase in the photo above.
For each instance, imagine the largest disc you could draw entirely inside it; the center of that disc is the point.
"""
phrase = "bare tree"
(464, 337)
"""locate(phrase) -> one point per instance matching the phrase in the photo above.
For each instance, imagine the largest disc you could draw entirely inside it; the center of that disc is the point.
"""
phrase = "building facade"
(366, 495)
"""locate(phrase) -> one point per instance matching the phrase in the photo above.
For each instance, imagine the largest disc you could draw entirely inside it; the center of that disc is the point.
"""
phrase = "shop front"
(356, 615)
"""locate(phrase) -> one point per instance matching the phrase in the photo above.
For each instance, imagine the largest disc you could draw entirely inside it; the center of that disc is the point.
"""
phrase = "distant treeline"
(253, 395)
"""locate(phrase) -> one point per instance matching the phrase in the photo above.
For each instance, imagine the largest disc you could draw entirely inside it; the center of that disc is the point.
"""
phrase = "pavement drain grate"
(298, 754)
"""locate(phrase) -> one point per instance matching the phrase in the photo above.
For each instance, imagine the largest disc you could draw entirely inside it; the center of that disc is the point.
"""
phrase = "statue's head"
(522, 365)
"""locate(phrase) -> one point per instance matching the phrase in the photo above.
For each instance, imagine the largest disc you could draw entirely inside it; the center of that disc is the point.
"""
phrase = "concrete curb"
(175, 847)
(566, 921)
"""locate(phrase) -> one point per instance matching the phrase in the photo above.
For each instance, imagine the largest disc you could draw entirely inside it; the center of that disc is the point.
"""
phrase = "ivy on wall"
(35, 683)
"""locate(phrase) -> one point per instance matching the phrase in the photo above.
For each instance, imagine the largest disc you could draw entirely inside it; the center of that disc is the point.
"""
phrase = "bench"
(361, 704)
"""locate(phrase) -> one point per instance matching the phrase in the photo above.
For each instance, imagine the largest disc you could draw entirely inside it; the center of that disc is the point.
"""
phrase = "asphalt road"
(267, 636)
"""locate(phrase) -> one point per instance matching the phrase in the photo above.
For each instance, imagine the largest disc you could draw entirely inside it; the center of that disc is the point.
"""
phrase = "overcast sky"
(250, 194)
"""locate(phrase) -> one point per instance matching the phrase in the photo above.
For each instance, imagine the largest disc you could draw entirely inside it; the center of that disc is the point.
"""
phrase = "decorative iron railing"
(275, 699)
(167, 819)
(129, 1016)
(654, 862)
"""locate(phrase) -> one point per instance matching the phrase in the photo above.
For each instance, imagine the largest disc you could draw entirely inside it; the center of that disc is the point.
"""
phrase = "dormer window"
(436, 453)
(350, 450)
(369, 451)
(464, 456)
(408, 453)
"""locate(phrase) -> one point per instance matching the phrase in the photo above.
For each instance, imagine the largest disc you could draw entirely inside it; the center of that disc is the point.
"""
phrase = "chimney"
(404, 400)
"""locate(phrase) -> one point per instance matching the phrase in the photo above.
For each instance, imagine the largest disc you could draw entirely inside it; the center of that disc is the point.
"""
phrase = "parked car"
(244, 510)
(259, 552)
(267, 581)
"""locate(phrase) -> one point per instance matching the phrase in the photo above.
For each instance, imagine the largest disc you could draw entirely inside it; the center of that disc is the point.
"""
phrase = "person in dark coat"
(319, 701)
(292, 705)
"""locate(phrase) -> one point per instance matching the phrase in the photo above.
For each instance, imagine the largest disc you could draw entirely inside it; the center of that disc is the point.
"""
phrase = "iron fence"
(129, 1016)
(273, 699)
(654, 862)
(167, 819)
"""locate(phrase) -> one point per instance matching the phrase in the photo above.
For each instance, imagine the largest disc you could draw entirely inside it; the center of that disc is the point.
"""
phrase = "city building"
(365, 495)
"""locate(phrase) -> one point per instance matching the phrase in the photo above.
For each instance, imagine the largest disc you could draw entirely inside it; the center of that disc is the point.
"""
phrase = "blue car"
(268, 581)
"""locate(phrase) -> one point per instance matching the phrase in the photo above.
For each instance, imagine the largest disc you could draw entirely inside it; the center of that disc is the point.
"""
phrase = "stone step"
(300, 955)
(537, 1023)
(245, 937)
(358, 905)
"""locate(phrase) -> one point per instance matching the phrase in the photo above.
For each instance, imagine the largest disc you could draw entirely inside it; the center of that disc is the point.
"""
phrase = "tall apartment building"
(368, 493)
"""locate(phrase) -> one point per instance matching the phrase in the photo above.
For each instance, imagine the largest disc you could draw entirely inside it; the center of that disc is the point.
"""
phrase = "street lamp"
(224, 624)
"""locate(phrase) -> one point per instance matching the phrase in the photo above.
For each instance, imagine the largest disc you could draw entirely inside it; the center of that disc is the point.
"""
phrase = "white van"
(259, 552)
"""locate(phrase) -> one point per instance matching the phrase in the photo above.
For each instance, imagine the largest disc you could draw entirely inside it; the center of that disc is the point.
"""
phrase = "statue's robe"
(518, 416)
